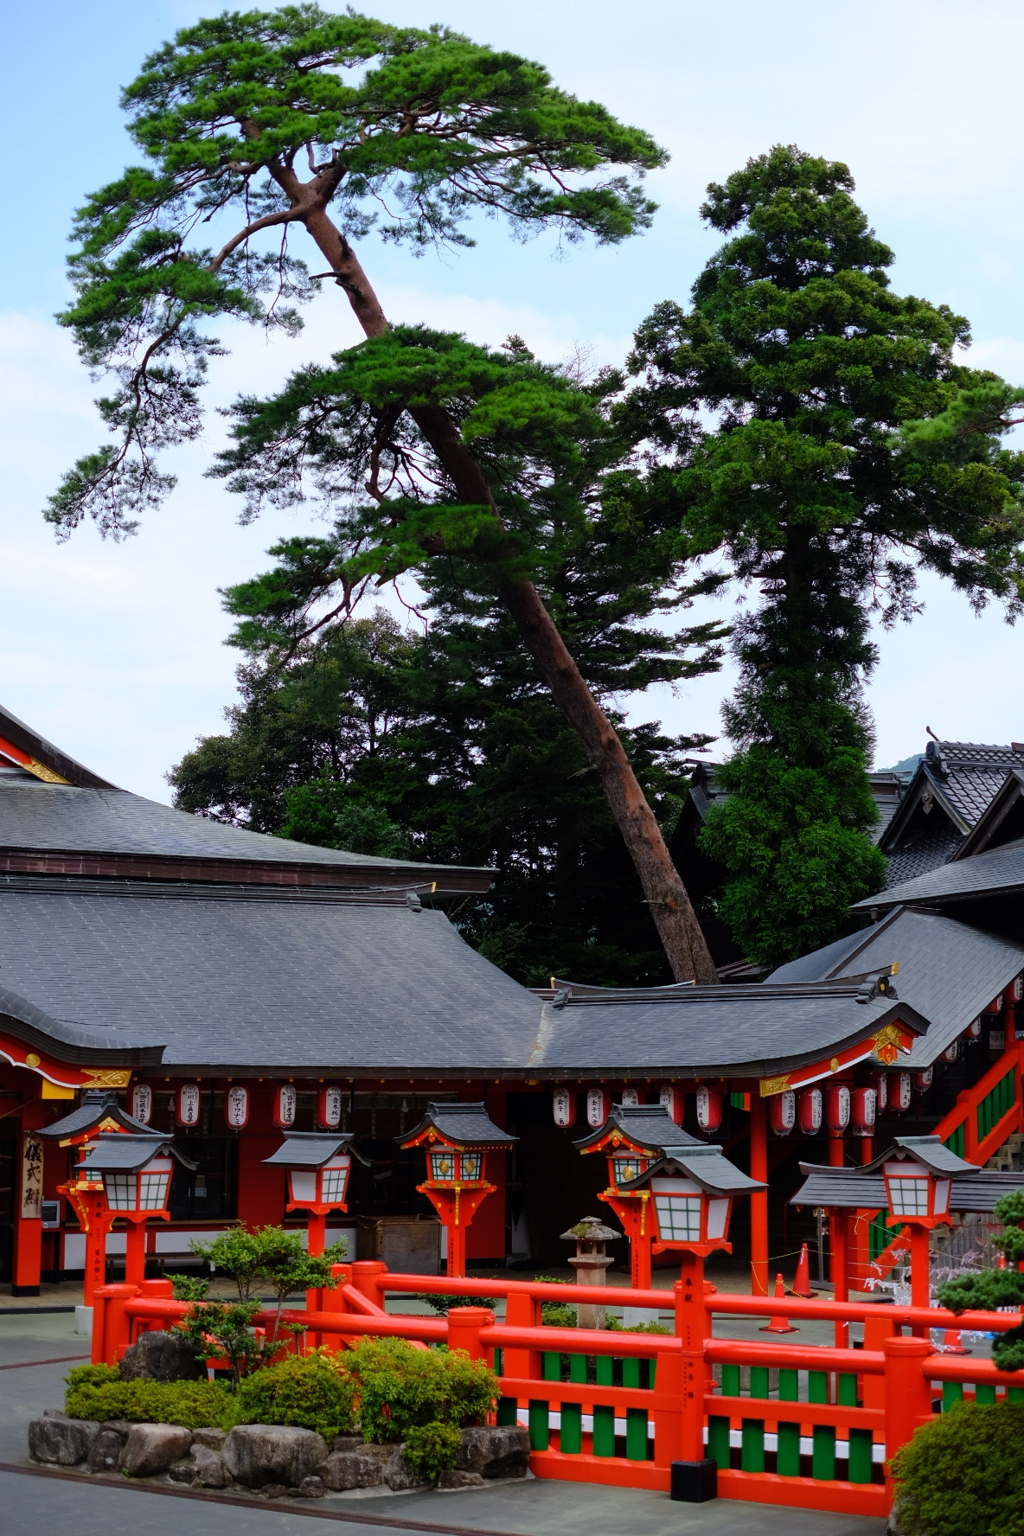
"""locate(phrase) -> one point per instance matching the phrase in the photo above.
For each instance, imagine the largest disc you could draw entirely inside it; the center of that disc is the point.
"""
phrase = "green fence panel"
(570, 1441)
(860, 1468)
(718, 1440)
(604, 1430)
(759, 1381)
(507, 1410)
(730, 1381)
(1015, 1394)
(551, 1366)
(631, 1373)
(817, 1386)
(787, 1455)
(605, 1371)
(984, 1393)
(955, 1142)
(752, 1446)
(847, 1390)
(952, 1392)
(823, 1452)
(540, 1433)
(577, 1368)
(636, 1434)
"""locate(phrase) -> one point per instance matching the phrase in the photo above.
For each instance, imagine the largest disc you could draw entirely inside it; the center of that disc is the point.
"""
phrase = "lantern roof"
(590, 1230)
(459, 1126)
(98, 1108)
(706, 1165)
(857, 1189)
(312, 1149)
(639, 1127)
(931, 1152)
(119, 1152)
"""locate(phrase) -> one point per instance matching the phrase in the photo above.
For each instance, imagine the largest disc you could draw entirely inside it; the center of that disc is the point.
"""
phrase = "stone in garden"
(161, 1357)
(213, 1439)
(105, 1455)
(201, 1468)
(495, 1450)
(152, 1448)
(311, 1488)
(274, 1491)
(62, 1441)
(400, 1474)
(258, 1454)
(347, 1443)
(453, 1478)
(354, 1469)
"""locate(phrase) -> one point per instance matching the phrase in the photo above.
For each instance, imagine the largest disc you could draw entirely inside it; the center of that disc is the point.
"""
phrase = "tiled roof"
(949, 971)
(1000, 870)
(920, 854)
(463, 1124)
(649, 1125)
(851, 1188)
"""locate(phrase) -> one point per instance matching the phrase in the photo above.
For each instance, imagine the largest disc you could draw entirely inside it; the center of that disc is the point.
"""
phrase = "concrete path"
(36, 1505)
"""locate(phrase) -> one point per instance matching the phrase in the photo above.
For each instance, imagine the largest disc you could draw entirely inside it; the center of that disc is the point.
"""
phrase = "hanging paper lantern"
(882, 1090)
(709, 1107)
(236, 1107)
(974, 1029)
(900, 1092)
(673, 1102)
(923, 1080)
(328, 1107)
(285, 1103)
(809, 1111)
(563, 1107)
(1016, 988)
(782, 1112)
(142, 1102)
(189, 1104)
(952, 1051)
(630, 1098)
(995, 1005)
(863, 1111)
(837, 1107)
(598, 1107)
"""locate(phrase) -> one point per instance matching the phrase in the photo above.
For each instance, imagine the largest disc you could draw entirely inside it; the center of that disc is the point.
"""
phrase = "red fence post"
(694, 1475)
(109, 1303)
(464, 1325)
(908, 1394)
(368, 1277)
(521, 1311)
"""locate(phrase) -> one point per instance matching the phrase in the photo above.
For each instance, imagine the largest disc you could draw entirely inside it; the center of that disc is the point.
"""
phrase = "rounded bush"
(432, 1449)
(398, 1388)
(308, 1391)
(963, 1474)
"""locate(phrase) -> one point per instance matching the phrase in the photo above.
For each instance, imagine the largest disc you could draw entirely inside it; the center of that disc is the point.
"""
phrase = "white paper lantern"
(236, 1106)
(142, 1102)
(190, 1104)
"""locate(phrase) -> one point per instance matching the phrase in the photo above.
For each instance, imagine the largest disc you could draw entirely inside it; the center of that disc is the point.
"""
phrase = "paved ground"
(31, 1504)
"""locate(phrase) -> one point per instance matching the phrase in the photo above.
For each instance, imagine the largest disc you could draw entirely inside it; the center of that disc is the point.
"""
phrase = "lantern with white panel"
(329, 1106)
(673, 1102)
(142, 1103)
(285, 1102)
(236, 1106)
(457, 1139)
(599, 1105)
(709, 1108)
(135, 1172)
(318, 1165)
(563, 1107)
(900, 1093)
(692, 1189)
(782, 1112)
(189, 1105)
(919, 1173)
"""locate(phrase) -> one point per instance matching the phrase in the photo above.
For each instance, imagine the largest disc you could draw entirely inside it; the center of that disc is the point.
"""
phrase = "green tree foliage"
(794, 407)
(310, 1391)
(267, 123)
(962, 1474)
(990, 1289)
(432, 1449)
(399, 1387)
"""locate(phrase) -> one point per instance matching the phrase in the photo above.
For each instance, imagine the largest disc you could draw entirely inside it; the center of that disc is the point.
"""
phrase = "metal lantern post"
(134, 1174)
(456, 1139)
(318, 1164)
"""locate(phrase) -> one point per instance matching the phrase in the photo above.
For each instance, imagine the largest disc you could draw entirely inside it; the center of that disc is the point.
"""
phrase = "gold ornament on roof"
(770, 1086)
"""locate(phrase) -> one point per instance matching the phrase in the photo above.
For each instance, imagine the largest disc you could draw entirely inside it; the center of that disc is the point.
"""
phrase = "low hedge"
(97, 1392)
(398, 1388)
(310, 1391)
(432, 1449)
(963, 1474)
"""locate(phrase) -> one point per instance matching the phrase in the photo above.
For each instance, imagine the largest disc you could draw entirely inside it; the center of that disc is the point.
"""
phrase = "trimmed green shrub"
(310, 1391)
(432, 1449)
(614, 1326)
(963, 1474)
(444, 1304)
(195, 1404)
(398, 1387)
(555, 1314)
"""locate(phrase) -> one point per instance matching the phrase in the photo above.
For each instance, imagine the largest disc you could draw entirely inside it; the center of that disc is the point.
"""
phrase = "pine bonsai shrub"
(989, 1289)
(963, 1474)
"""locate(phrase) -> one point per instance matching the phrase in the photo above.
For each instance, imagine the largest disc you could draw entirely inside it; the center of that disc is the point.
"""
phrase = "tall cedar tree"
(813, 466)
(301, 120)
(354, 733)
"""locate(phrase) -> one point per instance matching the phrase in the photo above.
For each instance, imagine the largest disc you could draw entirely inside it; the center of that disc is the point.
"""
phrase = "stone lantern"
(591, 1264)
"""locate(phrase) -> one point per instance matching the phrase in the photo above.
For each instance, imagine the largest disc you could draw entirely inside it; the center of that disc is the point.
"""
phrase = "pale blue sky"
(115, 650)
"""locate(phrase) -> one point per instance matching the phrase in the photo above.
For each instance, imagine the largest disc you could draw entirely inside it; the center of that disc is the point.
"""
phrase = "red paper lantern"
(864, 1110)
(286, 1101)
(782, 1112)
(837, 1107)
(189, 1104)
(809, 1111)
(974, 1028)
(329, 1107)
(923, 1080)
(599, 1105)
(236, 1106)
(563, 1107)
(952, 1051)
(900, 1093)
(882, 1089)
(673, 1102)
(709, 1107)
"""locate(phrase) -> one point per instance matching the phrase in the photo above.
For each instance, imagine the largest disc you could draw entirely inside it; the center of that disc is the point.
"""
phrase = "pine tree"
(793, 400)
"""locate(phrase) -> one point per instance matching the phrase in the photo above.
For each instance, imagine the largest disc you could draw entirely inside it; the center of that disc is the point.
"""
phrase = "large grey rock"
(213, 1439)
(105, 1455)
(258, 1454)
(361, 1468)
(152, 1448)
(400, 1474)
(201, 1468)
(347, 1443)
(161, 1357)
(495, 1450)
(60, 1440)
(450, 1480)
(311, 1488)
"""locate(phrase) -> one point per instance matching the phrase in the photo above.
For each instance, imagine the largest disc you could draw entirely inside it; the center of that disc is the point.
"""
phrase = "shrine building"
(231, 988)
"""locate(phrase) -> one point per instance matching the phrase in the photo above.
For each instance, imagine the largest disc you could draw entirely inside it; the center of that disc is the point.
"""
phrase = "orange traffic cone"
(779, 1324)
(802, 1283)
(1001, 1263)
(952, 1344)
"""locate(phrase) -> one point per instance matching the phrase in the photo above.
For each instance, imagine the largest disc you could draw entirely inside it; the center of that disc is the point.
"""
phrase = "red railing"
(787, 1423)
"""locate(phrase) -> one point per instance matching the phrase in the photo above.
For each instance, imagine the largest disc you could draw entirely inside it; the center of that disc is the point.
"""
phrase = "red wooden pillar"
(867, 1150)
(836, 1150)
(907, 1392)
(28, 1209)
(691, 1330)
(759, 1199)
